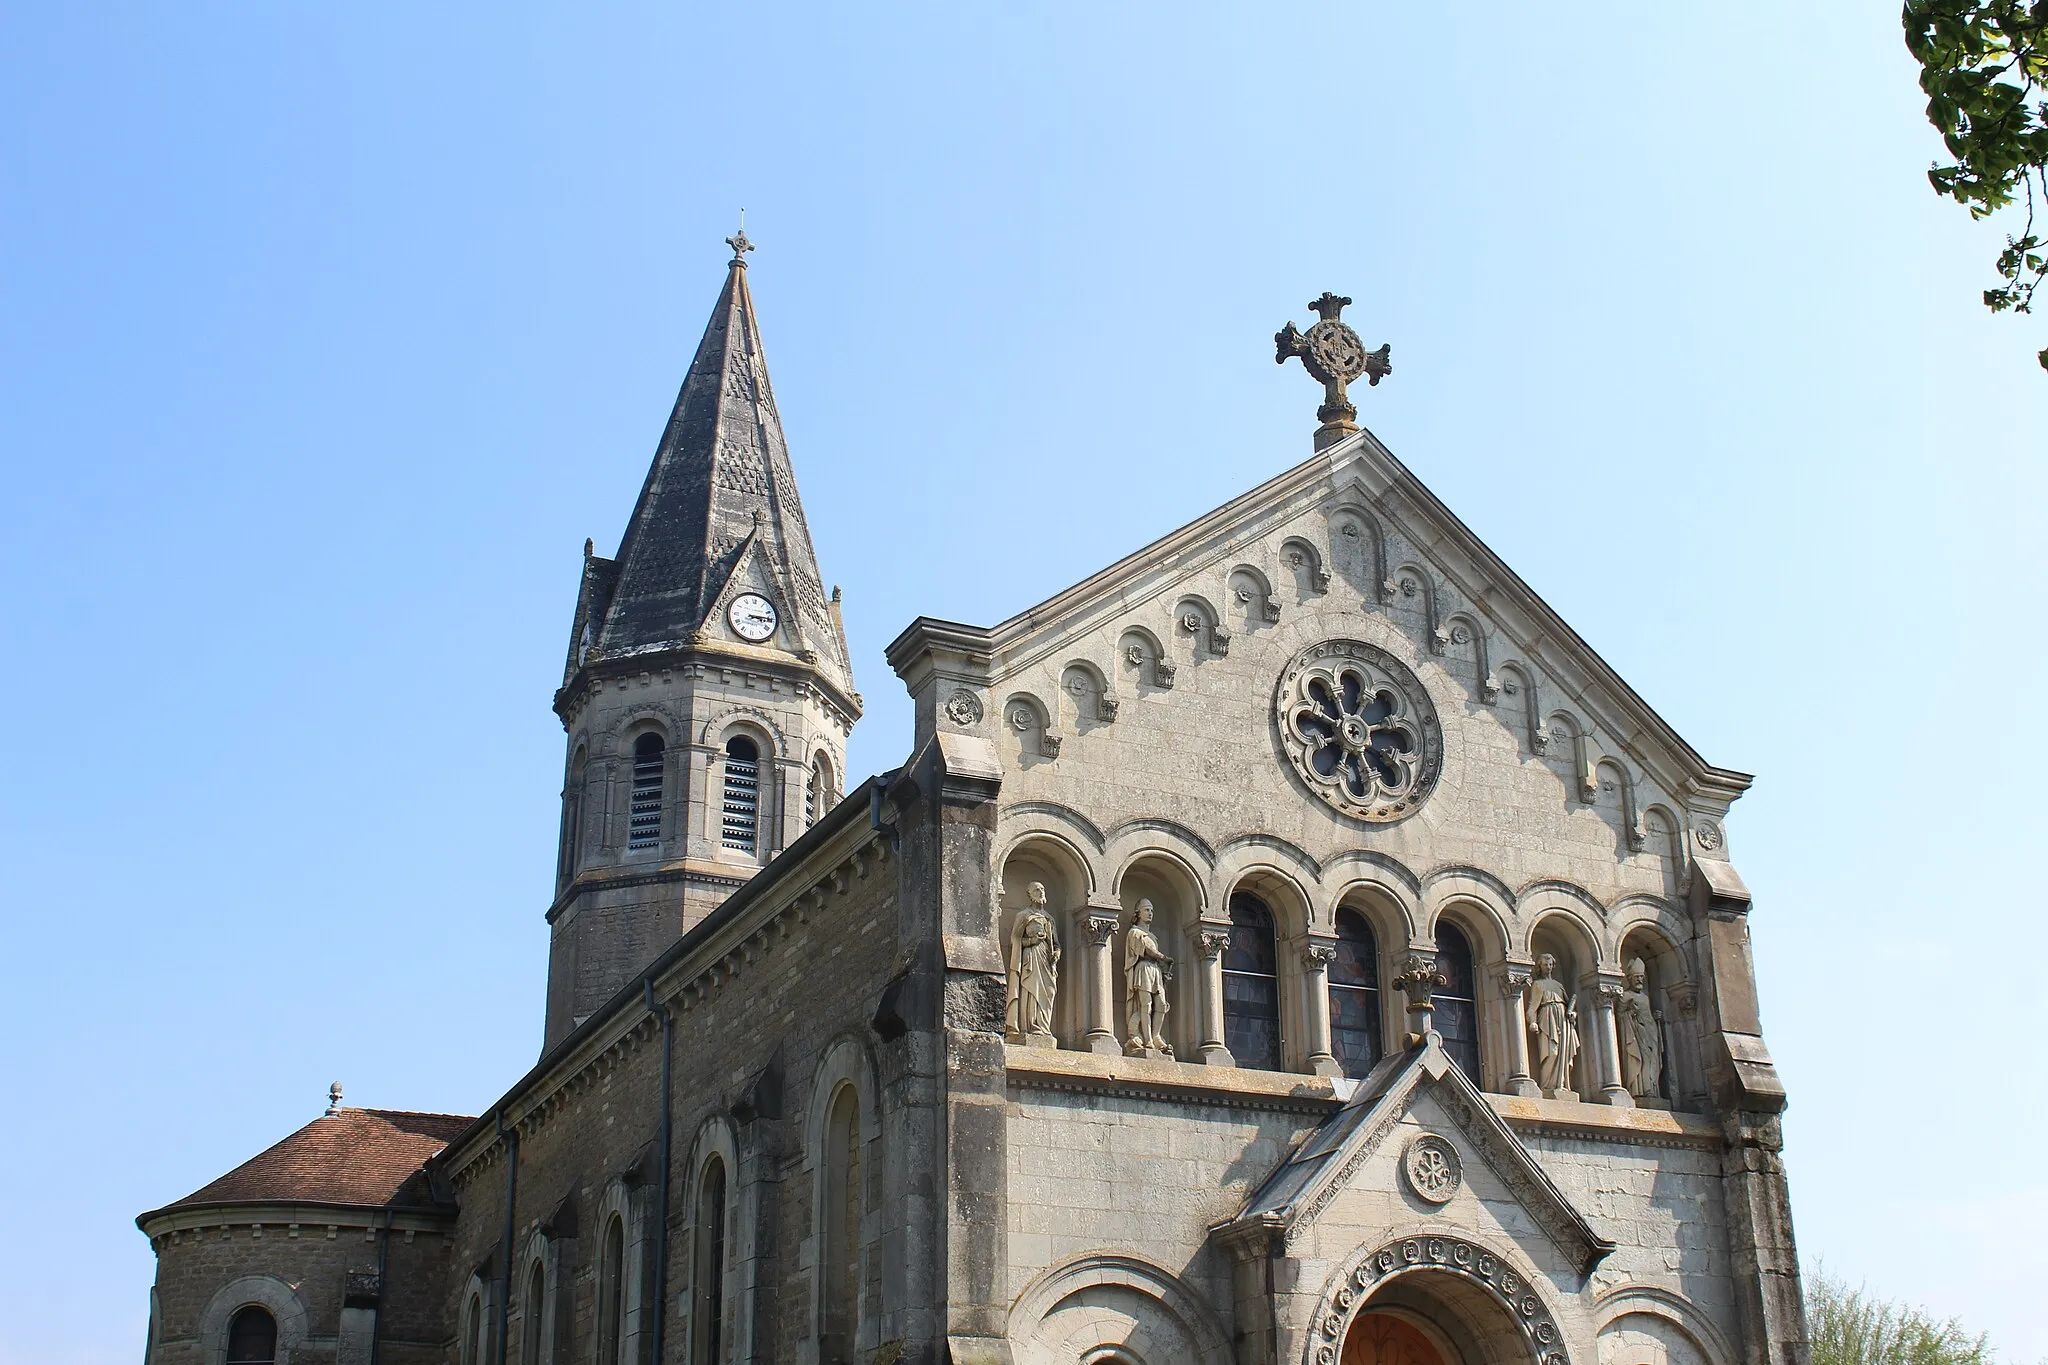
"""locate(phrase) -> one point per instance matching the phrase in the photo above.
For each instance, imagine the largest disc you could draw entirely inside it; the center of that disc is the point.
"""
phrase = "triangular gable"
(1363, 468)
(1322, 1166)
(751, 568)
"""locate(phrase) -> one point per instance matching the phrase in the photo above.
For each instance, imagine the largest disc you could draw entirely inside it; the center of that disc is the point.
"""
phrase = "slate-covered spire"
(718, 515)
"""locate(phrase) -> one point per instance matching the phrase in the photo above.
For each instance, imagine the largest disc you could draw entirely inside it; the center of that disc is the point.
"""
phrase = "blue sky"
(327, 333)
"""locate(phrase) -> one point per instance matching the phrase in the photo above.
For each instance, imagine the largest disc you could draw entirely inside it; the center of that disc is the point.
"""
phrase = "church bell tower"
(708, 692)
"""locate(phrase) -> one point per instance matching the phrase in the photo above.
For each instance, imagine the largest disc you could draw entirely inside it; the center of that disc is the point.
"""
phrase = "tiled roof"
(355, 1156)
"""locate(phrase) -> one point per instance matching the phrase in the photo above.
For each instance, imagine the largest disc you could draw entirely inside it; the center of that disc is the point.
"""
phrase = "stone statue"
(1034, 970)
(1641, 1035)
(1553, 1027)
(1145, 969)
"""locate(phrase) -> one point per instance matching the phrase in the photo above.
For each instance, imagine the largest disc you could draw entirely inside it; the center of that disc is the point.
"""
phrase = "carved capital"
(1270, 610)
(1049, 745)
(1319, 579)
(1420, 978)
(1106, 707)
(1439, 640)
(1099, 928)
(1211, 943)
(1389, 590)
(1219, 641)
(1489, 688)
(1317, 957)
(1162, 674)
(1685, 997)
(1515, 977)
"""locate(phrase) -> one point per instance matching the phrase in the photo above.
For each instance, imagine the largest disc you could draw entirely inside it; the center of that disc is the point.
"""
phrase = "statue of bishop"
(1641, 1035)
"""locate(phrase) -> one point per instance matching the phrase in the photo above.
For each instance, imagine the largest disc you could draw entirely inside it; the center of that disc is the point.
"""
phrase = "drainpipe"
(383, 1260)
(510, 1137)
(668, 1031)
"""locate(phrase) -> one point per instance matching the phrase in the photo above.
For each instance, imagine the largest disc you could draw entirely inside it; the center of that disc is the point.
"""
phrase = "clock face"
(752, 616)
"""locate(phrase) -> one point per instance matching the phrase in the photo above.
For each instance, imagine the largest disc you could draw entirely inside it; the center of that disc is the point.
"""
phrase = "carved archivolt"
(1360, 729)
(1445, 1253)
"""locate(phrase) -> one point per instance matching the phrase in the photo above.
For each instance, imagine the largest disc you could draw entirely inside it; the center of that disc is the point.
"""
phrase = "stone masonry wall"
(787, 997)
(194, 1264)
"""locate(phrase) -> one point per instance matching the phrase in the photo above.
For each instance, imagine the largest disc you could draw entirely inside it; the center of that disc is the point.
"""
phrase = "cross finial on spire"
(1332, 353)
(740, 246)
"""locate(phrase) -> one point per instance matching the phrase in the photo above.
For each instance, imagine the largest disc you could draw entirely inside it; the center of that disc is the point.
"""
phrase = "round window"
(1359, 729)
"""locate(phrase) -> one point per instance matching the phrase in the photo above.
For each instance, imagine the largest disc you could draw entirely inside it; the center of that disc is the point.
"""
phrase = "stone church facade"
(1290, 946)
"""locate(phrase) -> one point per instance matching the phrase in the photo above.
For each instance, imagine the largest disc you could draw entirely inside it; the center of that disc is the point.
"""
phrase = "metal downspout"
(510, 1136)
(658, 1337)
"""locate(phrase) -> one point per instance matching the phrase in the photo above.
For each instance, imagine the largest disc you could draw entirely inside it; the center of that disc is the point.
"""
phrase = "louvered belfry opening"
(741, 830)
(644, 830)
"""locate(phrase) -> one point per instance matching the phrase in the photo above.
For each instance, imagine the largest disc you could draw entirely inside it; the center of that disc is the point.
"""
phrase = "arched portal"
(1467, 1303)
(1384, 1339)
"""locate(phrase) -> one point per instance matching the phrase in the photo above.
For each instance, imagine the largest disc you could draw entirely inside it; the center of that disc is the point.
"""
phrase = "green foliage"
(1984, 68)
(1849, 1327)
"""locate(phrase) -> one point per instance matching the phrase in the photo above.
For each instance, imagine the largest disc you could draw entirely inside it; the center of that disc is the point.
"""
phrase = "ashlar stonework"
(1291, 945)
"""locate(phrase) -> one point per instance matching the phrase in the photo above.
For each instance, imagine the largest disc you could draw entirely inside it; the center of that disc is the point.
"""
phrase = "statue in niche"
(1641, 1035)
(1145, 970)
(1034, 971)
(1553, 1028)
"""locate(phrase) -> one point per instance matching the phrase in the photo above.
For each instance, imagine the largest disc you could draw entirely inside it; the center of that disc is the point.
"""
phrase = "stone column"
(1095, 930)
(1514, 986)
(704, 818)
(1607, 990)
(1315, 989)
(1209, 946)
(1418, 980)
(791, 776)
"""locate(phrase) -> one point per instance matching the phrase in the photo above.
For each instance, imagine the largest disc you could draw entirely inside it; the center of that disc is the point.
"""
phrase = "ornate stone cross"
(1332, 353)
(741, 246)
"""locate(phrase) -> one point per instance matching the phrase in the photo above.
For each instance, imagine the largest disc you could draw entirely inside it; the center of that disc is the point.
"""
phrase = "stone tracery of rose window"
(1359, 729)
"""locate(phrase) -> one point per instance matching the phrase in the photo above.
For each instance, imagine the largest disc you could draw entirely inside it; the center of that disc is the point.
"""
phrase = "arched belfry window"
(1457, 1002)
(741, 830)
(818, 791)
(572, 815)
(1251, 986)
(840, 1260)
(644, 831)
(707, 1266)
(611, 1295)
(1355, 995)
(252, 1337)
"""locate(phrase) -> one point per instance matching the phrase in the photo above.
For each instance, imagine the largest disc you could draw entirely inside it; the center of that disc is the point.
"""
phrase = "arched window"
(644, 829)
(473, 1331)
(707, 1265)
(252, 1337)
(741, 830)
(1251, 986)
(572, 816)
(1457, 1004)
(534, 1311)
(611, 1295)
(1355, 995)
(840, 1269)
(818, 790)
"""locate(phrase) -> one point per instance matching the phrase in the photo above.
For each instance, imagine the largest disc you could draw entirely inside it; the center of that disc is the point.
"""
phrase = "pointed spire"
(719, 508)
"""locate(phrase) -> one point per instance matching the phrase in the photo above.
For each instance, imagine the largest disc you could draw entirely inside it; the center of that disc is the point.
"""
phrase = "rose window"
(1359, 729)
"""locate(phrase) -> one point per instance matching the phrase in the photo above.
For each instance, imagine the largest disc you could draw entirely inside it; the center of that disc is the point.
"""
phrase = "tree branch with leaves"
(1984, 68)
